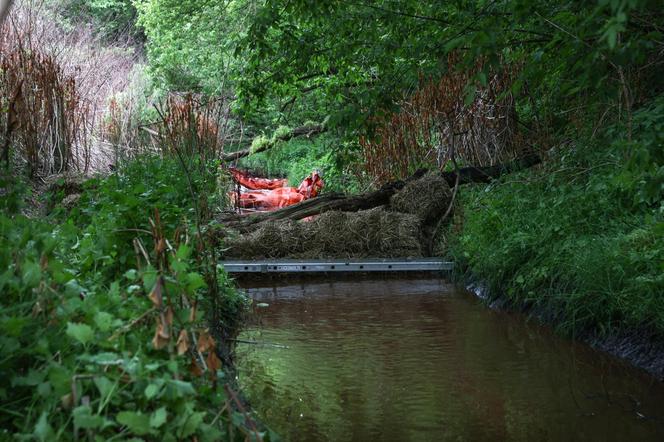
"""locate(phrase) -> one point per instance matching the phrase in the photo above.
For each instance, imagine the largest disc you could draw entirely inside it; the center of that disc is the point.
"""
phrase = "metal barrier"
(333, 265)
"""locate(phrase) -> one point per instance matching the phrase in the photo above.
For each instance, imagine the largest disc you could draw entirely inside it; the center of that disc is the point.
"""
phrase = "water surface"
(418, 360)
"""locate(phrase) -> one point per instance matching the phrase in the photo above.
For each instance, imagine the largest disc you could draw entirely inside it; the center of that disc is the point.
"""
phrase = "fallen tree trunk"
(365, 201)
(468, 175)
(307, 131)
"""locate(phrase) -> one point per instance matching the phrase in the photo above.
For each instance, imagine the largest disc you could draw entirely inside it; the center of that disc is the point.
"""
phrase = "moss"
(281, 132)
(259, 143)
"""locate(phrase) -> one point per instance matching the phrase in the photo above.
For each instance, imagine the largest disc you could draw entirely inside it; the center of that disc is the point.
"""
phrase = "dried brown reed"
(55, 84)
(46, 122)
(194, 126)
(435, 119)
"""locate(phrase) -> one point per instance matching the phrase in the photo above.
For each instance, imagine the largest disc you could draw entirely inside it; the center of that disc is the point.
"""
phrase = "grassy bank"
(114, 311)
(581, 237)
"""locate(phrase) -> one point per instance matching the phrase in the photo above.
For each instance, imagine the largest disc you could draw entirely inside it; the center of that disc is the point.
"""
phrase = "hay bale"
(427, 198)
(274, 239)
(368, 233)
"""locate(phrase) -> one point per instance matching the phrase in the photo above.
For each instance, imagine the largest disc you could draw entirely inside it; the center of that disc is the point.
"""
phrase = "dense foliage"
(82, 294)
(115, 314)
(582, 239)
(111, 19)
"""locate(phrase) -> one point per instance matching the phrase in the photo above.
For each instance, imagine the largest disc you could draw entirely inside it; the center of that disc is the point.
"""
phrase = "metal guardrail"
(330, 265)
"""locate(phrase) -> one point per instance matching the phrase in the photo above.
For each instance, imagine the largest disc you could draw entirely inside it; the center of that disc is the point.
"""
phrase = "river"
(416, 359)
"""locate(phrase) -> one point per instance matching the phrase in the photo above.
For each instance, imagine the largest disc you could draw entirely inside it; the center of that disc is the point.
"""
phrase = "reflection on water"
(417, 360)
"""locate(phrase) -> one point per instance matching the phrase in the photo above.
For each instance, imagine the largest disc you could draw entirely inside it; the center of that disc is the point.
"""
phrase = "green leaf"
(43, 430)
(83, 418)
(131, 274)
(151, 391)
(194, 282)
(211, 433)
(183, 252)
(60, 378)
(44, 389)
(158, 418)
(33, 378)
(137, 423)
(481, 77)
(182, 388)
(104, 385)
(81, 332)
(149, 279)
(114, 290)
(103, 321)
(13, 325)
(31, 274)
(189, 424)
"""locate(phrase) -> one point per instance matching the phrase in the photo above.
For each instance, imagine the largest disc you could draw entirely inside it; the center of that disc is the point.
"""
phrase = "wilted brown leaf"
(160, 246)
(213, 361)
(43, 261)
(183, 342)
(169, 317)
(161, 336)
(67, 401)
(37, 309)
(192, 312)
(156, 294)
(205, 342)
(194, 369)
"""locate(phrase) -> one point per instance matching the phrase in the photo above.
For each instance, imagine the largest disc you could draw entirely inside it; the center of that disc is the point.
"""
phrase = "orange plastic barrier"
(311, 186)
(267, 200)
(270, 200)
(255, 183)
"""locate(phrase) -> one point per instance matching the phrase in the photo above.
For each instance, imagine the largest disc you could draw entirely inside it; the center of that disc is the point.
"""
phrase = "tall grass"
(582, 239)
(54, 86)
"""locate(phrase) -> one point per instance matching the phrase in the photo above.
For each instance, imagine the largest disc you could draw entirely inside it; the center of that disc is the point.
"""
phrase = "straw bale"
(426, 198)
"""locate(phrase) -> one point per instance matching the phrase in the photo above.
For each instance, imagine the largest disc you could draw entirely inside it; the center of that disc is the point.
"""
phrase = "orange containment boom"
(255, 183)
(267, 200)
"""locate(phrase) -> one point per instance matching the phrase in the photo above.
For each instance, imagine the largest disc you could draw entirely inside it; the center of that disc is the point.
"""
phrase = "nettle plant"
(92, 357)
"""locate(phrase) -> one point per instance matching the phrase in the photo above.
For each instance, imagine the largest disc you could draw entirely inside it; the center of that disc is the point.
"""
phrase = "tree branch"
(307, 131)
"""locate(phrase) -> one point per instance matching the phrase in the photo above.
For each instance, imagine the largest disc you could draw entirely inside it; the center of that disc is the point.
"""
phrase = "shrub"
(581, 239)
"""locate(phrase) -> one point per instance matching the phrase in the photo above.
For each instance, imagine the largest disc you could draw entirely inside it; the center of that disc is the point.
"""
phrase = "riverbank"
(578, 242)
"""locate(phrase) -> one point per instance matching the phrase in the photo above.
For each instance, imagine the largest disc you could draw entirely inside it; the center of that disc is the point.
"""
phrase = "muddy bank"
(641, 348)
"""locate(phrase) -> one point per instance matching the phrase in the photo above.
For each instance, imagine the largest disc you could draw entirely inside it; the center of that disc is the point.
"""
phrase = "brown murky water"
(418, 360)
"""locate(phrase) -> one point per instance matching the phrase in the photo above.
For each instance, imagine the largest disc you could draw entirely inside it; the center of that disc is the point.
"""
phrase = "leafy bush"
(582, 239)
(296, 159)
(105, 315)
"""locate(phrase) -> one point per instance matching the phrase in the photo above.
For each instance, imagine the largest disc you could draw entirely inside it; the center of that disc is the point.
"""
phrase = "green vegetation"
(112, 19)
(582, 238)
(295, 159)
(97, 329)
(93, 303)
